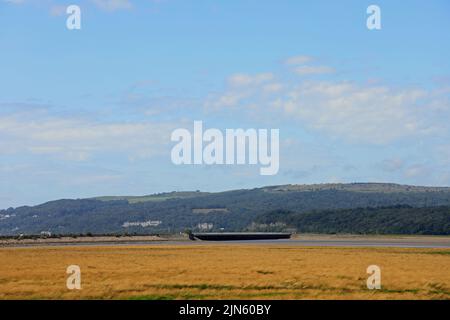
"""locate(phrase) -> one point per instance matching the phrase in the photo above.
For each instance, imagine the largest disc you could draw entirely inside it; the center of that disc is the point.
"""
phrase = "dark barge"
(238, 236)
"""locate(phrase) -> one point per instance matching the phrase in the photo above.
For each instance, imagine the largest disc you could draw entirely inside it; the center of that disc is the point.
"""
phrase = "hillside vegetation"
(174, 212)
(385, 220)
(153, 197)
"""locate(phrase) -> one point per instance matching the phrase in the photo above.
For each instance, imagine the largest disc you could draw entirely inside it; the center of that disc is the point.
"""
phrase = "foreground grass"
(223, 272)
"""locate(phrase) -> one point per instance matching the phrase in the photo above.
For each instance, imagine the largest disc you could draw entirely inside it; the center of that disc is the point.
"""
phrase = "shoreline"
(297, 239)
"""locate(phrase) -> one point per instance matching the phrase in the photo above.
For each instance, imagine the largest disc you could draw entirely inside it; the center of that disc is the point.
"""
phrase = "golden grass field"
(223, 272)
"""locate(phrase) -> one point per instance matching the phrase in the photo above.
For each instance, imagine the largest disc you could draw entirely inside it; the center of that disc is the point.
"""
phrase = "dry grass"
(223, 272)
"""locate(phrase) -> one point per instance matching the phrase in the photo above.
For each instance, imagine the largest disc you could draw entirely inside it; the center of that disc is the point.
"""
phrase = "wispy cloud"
(306, 70)
(113, 5)
(416, 171)
(302, 65)
(392, 164)
(245, 80)
(57, 9)
(14, 1)
(80, 139)
(373, 114)
(350, 111)
(296, 60)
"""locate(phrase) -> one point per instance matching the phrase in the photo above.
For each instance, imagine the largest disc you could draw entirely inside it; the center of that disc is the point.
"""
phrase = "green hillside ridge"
(154, 197)
(384, 220)
(178, 211)
(353, 187)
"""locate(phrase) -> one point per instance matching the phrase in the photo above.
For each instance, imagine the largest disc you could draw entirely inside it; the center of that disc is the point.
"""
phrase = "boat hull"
(239, 236)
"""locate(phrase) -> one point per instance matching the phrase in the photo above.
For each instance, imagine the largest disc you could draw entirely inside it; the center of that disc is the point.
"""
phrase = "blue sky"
(89, 112)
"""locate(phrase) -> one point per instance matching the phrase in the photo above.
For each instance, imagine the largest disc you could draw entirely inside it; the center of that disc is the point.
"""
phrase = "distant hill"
(384, 220)
(230, 210)
(154, 197)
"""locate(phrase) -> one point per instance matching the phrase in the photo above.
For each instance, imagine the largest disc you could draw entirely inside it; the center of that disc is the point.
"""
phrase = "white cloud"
(298, 60)
(300, 65)
(417, 170)
(307, 70)
(243, 86)
(113, 5)
(229, 100)
(392, 165)
(358, 113)
(57, 10)
(79, 139)
(106, 5)
(272, 87)
(14, 1)
(376, 114)
(243, 80)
